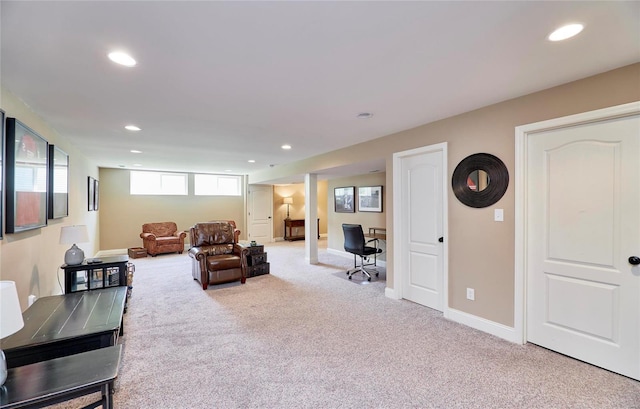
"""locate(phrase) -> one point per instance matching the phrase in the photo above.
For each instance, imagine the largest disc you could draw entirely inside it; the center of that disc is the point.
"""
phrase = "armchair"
(164, 237)
(216, 255)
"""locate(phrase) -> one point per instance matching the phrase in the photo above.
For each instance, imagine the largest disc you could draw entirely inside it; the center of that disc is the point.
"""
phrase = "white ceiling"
(219, 83)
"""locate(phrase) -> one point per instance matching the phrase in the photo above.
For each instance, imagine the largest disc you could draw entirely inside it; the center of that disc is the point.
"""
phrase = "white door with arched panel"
(582, 231)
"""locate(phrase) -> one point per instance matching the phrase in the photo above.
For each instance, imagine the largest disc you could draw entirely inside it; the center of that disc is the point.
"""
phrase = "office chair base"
(360, 269)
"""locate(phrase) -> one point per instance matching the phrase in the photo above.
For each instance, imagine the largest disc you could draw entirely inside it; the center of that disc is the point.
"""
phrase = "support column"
(311, 218)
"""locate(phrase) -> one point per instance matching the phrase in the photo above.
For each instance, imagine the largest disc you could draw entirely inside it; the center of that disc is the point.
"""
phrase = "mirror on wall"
(480, 180)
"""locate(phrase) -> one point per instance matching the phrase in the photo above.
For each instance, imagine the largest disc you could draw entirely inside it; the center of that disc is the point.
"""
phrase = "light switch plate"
(498, 215)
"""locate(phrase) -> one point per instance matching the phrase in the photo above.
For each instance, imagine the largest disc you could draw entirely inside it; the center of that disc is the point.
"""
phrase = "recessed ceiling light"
(137, 164)
(251, 161)
(132, 128)
(364, 115)
(227, 170)
(565, 32)
(121, 58)
(135, 151)
(286, 147)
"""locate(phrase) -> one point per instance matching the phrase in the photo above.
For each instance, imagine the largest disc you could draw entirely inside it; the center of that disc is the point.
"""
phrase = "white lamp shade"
(288, 200)
(74, 234)
(10, 312)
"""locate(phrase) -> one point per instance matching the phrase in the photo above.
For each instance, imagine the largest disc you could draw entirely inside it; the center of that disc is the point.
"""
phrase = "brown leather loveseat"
(164, 237)
(216, 255)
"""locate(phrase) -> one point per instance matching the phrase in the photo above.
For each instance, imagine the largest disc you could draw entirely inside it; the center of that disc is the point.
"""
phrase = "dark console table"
(291, 224)
(62, 325)
(57, 380)
(110, 271)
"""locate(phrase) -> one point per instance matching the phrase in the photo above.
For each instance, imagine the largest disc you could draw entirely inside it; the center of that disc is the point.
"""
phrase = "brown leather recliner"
(164, 237)
(216, 255)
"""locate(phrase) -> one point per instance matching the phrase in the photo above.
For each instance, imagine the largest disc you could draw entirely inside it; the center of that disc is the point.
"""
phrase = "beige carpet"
(305, 337)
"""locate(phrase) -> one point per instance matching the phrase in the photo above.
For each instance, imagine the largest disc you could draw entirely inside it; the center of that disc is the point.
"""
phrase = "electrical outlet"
(471, 294)
(498, 215)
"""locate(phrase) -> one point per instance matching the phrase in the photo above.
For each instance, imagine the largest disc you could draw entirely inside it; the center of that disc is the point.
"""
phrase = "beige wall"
(297, 209)
(335, 236)
(32, 259)
(122, 215)
(481, 251)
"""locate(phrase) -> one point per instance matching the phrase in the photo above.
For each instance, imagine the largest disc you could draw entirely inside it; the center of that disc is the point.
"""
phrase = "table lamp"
(288, 201)
(73, 235)
(10, 319)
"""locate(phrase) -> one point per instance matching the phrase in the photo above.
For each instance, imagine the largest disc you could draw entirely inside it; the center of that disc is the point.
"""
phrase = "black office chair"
(355, 244)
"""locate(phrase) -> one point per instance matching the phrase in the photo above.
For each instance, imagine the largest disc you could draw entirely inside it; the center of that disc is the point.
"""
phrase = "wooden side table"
(57, 380)
(291, 224)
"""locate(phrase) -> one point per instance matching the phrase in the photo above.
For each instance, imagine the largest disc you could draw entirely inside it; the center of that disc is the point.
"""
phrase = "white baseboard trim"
(483, 324)
(392, 293)
(113, 252)
(344, 254)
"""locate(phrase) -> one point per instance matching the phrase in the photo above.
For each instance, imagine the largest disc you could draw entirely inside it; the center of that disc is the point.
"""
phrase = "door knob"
(441, 239)
(634, 260)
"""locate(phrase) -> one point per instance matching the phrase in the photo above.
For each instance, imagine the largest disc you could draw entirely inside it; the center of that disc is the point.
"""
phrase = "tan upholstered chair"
(216, 255)
(164, 237)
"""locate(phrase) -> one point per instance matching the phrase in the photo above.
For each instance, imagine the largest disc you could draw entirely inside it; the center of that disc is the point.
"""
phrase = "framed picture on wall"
(96, 194)
(370, 199)
(91, 186)
(344, 199)
(58, 183)
(26, 170)
(1, 169)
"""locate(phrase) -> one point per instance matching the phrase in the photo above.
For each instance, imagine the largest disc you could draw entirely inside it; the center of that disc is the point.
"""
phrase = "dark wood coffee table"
(57, 380)
(63, 325)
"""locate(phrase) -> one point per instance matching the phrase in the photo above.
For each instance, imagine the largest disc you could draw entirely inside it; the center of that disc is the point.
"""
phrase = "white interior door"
(583, 224)
(421, 210)
(260, 213)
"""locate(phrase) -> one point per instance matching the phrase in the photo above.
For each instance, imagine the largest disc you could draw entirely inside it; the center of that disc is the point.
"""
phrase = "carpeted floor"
(306, 337)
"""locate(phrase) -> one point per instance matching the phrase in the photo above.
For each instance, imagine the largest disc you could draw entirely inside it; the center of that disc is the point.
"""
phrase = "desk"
(57, 380)
(67, 324)
(379, 233)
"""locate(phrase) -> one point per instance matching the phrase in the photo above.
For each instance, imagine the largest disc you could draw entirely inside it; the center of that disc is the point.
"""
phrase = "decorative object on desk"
(480, 180)
(73, 235)
(10, 319)
(343, 198)
(253, 243)
(370, 199)
(58, 206)
(288, 201)
(26, 196)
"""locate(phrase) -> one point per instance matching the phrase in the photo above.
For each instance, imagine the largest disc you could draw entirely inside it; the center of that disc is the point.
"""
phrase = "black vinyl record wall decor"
(480, 180)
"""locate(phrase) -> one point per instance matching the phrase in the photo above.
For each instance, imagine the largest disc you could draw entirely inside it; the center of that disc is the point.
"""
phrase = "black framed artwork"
(96, 194)
(370, 199)
(26, 170)
(91, 186)
(344, 199)
(1, 170)
(58, 206)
